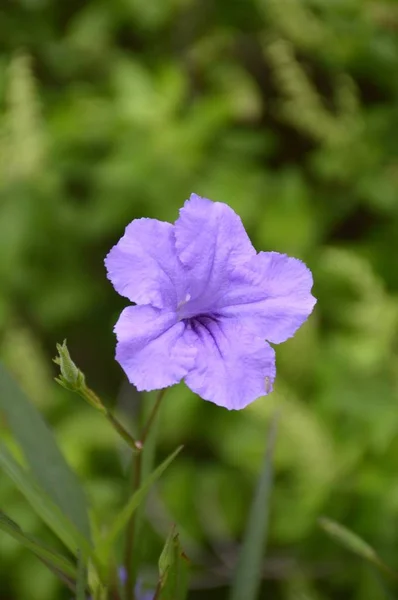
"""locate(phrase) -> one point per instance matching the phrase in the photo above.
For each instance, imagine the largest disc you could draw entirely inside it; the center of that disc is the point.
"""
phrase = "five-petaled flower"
(207, 304)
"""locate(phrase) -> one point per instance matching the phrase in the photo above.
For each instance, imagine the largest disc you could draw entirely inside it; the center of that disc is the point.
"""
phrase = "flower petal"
(143, 266)
(233, 367)
(151, 347)
(210, 242)
(271, 294)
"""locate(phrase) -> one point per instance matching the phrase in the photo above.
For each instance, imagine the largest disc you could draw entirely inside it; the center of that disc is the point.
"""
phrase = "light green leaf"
(248, 571)
(48, 556)
(173, 569)
(354, 543)
(167, 555)
(43, 505)
(42, 454)
(125, 514)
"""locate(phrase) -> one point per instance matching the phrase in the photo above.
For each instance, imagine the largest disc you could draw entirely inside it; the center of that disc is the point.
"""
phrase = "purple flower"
(142, 594)
(139, 592)
(206, 301)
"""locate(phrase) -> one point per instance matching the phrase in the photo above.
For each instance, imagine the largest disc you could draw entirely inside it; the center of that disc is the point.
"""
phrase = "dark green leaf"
(81, 581)
(42, 453)
(248, 572)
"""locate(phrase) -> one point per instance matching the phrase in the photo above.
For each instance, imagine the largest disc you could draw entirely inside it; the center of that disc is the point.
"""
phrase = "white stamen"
(187, 299)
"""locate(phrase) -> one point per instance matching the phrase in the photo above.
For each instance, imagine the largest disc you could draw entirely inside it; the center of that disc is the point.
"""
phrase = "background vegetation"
(288, 111)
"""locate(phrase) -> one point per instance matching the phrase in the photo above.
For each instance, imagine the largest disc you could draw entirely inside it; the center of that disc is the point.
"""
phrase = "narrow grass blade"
(48, 556)
(354, 543)
(67, 581)
(81, 581)
(124, 516)
(42, 454)
(247, 578)
(45, 508)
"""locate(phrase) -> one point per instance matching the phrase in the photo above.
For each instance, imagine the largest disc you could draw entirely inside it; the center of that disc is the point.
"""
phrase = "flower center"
(201, 322)
(193, 309)
(206, 326)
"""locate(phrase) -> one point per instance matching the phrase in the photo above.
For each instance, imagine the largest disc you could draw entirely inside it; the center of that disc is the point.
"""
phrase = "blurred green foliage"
(288, 111)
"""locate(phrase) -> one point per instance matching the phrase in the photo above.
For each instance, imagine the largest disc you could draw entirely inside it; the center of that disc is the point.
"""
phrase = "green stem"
(157, 591)
(92, 398)
(136, 482)
(131, 529)
(386, 569)
(135, 445)
(152, 416)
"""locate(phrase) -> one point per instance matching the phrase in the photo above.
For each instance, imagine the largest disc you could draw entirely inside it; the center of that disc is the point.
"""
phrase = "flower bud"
(73, 379)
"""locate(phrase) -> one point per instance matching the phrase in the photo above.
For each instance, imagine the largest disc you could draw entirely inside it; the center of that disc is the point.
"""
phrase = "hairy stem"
(134, 444)
(92, 398)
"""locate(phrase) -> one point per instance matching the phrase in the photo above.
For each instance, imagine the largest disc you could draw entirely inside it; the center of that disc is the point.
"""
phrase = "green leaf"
(81, 581)
(354, 543)
(167, 555)
(248, 571)
(173, 570)
(42, 454)
(48, 556)
(45, 508)
(125, 514)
